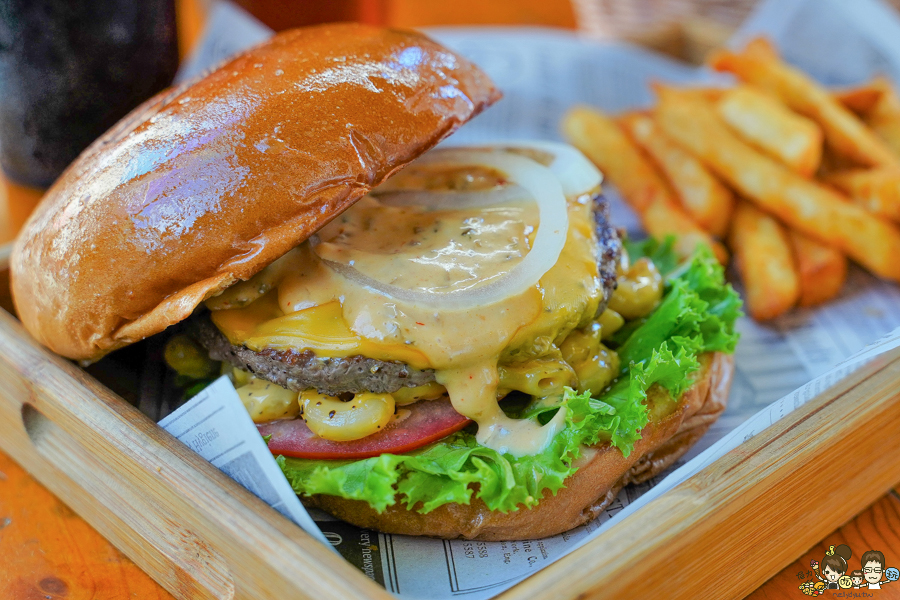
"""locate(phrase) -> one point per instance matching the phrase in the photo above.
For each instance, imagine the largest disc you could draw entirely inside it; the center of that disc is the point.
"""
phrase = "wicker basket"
(686, 29)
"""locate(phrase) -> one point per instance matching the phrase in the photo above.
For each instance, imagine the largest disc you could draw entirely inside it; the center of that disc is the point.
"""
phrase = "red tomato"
(427, 421)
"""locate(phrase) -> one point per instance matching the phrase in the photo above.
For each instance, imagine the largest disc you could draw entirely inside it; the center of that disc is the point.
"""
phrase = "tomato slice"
(427, 421)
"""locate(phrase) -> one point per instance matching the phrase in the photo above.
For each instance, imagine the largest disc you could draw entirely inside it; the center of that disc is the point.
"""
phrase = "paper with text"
(215, 425)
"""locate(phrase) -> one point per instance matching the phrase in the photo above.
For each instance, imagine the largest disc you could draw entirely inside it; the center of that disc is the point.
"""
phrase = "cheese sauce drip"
(439, 251)
(313, 307)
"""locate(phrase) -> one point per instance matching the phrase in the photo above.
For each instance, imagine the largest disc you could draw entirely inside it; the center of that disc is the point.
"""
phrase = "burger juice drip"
(317, 307)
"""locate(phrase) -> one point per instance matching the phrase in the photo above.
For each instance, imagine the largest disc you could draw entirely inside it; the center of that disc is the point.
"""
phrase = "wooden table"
(48, 552)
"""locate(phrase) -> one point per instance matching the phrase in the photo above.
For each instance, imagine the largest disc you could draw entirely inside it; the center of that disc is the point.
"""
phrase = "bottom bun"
(602, 472)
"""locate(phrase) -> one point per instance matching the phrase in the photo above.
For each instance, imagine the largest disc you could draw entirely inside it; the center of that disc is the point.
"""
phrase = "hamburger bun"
(206, 184)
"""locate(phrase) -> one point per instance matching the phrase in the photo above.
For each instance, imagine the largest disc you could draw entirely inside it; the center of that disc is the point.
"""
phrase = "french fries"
(798, 179)
(878, 103)
(808, 207)
(876, 190)
(710, 94)
(765, 260)
(860, 100)
(602, 141)
(759, 65)
(884, 117)
(770, 126)
(832, 163)
(662, 219)
(822, 270)
(706, 200)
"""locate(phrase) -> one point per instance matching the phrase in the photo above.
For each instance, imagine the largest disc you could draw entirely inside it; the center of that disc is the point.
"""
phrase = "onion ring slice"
(541, 184)
(452, 200)
(575, 172)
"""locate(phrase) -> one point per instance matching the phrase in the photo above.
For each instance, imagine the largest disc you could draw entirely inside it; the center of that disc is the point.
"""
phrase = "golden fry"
(860, 100)
(604, 142)
(822, 269)
(884, 117)
(763, 47)
(832, 163)
(703, 196)
(765, 260)
(805, 205)
(844, 131)
(876, 190)
(773, 128)
(661, 219)
(878, 104)
(710, 94)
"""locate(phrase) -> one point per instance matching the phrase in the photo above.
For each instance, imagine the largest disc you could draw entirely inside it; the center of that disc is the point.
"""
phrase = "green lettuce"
(697, 314)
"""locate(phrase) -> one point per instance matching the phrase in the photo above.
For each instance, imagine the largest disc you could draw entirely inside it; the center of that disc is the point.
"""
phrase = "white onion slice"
(575, 172)
(452, 200)
(540, 183)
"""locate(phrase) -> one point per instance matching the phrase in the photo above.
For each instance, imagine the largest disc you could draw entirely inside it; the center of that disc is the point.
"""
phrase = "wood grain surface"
(49, 552)
(193, 529)
(877, 528)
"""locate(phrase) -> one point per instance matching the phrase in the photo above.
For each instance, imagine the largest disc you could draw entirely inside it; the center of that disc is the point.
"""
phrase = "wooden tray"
(200, 535)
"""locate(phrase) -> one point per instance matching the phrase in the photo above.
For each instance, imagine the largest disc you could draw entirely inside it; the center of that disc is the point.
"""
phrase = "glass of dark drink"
(69, 69)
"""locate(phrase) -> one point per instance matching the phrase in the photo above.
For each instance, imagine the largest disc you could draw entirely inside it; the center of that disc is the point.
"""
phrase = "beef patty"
(301, 370)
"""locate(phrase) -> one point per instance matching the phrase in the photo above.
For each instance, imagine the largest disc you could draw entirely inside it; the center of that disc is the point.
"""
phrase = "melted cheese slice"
(314, 308)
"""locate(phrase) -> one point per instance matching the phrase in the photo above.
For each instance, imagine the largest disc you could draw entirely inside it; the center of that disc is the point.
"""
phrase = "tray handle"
(194, 530)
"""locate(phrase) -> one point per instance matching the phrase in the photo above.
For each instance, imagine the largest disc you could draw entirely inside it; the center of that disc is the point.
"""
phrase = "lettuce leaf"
(622, 428)
(661, 252)
(697, 314)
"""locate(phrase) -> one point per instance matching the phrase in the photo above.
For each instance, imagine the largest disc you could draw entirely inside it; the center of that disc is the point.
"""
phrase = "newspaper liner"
(780, 366)
(215, 425)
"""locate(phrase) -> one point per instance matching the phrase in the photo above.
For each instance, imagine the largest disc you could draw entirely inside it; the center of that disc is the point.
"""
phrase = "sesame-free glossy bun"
(602, 472)
(206, 184)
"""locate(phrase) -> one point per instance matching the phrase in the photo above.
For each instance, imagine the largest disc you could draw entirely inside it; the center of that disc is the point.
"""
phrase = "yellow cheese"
(321, 329)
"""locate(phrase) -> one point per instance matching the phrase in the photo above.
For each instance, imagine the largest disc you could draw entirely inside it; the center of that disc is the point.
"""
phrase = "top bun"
(205, 184)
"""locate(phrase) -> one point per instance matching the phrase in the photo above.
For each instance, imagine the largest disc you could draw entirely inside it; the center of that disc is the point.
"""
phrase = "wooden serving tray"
(200, 535)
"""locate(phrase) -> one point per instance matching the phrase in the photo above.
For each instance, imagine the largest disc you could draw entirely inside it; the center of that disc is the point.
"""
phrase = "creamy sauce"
(429, 251)
(436, 251)
(458, 179)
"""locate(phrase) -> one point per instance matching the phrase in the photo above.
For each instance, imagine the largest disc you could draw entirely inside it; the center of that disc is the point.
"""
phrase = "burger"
(449, 342)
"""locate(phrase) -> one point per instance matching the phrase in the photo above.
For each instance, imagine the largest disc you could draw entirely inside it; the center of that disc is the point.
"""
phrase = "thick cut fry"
(710, 94)
(661, 219)
(878, 104)
(822, 269)
(704, 197)
(763, 47)
(764, 258)
(602, 141)
(876, 190)
(861, 99)
(806, 206)
(832, 163)
(844, 131)
(606, 144)
(884, 117)
(773, 128)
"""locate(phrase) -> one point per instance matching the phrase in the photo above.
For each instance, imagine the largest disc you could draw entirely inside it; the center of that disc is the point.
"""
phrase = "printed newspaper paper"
(542, 73)
(215, 425)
